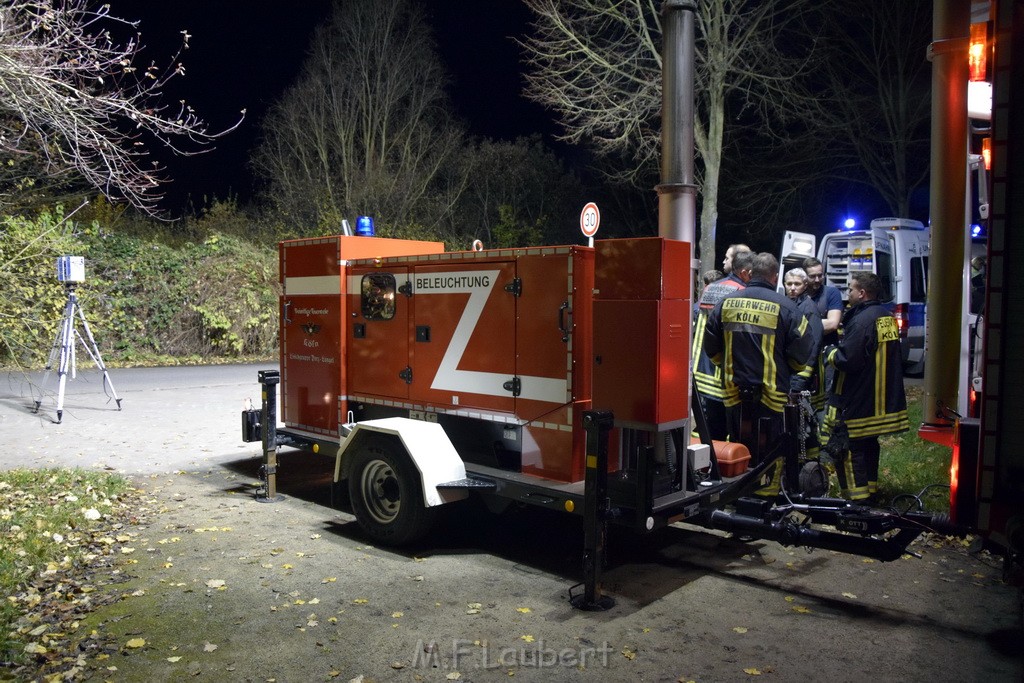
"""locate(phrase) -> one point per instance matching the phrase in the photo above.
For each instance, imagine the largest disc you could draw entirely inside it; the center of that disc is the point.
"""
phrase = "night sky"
(244, 53)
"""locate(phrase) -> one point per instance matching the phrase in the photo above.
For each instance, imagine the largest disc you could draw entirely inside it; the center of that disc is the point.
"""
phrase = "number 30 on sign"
(590, 219)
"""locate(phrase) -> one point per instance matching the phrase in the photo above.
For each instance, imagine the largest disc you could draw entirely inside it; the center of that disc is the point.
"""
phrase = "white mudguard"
(429, 449)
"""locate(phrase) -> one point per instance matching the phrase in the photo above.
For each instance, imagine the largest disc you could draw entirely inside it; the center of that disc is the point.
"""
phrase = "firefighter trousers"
(758, 428)
(714, 413)
(857, 469)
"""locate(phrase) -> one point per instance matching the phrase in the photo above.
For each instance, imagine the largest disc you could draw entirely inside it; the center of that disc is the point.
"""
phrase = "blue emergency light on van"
(364, 226)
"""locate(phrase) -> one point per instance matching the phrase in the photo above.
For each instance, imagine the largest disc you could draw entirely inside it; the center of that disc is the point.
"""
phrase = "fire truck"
(987, 471)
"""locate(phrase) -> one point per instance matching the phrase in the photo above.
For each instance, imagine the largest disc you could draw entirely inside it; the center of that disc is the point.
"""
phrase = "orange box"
(733, 458)
(642, 268)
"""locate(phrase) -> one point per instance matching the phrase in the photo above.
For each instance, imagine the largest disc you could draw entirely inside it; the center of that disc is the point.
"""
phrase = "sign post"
(590, 220)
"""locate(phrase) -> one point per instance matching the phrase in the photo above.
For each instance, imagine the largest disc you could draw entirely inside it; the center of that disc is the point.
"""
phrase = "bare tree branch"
(878, 102)
(75, 98)
(366, 128)
(598, 64)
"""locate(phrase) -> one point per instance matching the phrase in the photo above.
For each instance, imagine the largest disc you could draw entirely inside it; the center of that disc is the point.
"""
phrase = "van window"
(884, 265)
(918, 278)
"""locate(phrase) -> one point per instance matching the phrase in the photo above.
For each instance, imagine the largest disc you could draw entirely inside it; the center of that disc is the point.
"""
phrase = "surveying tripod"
(63, 351)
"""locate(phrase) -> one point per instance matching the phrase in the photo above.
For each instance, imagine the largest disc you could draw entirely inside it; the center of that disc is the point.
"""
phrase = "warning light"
(977, 52)
(364, 226)
(986, 152)
(850, 223)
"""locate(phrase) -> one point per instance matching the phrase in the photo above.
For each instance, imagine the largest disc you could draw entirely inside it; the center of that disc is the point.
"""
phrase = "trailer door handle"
(562, 326)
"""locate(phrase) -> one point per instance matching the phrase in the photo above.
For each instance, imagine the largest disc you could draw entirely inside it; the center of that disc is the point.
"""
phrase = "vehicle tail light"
(902, 315)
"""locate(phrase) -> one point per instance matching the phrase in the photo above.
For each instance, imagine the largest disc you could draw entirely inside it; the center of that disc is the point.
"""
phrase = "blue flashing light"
(975, 230)
(850, 223)
(364, 226)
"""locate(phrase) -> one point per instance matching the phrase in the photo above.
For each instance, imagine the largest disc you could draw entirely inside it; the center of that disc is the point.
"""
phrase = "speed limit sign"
(590, 219)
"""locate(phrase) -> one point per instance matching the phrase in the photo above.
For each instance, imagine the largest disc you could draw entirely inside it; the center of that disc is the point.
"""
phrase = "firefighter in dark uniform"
(760, 339)
(867, 400)
(707, 375)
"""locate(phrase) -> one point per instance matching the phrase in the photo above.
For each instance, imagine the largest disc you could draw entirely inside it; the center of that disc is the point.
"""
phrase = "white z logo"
(449, 377)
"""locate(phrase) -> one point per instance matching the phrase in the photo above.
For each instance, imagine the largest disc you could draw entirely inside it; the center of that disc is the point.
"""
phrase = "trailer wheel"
(386, 495)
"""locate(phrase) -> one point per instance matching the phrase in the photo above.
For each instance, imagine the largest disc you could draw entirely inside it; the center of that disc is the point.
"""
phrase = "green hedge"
(153, 298)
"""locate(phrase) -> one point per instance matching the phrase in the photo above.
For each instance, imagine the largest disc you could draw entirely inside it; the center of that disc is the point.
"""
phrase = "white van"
(895, 249)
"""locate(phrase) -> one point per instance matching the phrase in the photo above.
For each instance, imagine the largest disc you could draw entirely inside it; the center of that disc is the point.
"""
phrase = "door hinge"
(515, 288)
(406, 375)
(515, 385)
(406, 288)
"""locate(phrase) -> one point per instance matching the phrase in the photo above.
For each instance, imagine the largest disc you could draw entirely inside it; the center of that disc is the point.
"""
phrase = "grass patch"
(54, 525)
(909, 464)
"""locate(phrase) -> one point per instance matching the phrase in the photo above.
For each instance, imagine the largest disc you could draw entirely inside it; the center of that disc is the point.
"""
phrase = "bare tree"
(598, 64)
(366, 128)
(518, 182)
(73, 99)
(878, 105)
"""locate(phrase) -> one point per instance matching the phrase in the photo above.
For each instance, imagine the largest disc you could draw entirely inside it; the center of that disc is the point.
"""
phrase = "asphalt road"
(691, 605)
(171, 418)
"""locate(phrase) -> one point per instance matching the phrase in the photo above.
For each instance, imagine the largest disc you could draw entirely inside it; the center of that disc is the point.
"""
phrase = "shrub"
(149, 294)
(30, 308)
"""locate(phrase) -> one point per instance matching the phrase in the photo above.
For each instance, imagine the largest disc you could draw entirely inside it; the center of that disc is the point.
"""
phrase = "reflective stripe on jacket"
(868, 393)
(706, 374)
(760, 338)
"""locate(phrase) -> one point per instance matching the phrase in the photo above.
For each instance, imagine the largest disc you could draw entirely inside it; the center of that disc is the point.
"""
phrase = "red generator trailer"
(556, 377)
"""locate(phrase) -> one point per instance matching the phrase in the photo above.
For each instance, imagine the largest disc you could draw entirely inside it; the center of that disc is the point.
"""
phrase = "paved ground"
(230, 588)
(171, 418)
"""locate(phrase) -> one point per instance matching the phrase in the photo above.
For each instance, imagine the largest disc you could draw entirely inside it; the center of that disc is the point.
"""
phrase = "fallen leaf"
(360, 601)
(135, 643)
(215, 583)
(801, 609)
(739, 629)
(628, 654)
(173, 660)
(286, 566)
(397, 665)
(454, 676)
(397, 615)
(35, 649)
(209, 647)
(752, 671)
(330, 579)
(524, 610)
(851, 596)
(789, 598)
(528, 638)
